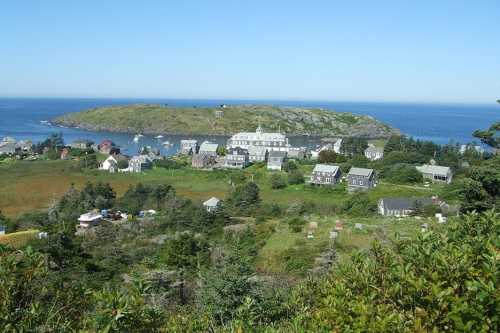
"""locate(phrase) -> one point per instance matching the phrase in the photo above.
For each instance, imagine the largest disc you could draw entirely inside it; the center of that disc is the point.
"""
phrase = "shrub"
(277, 181)
(295, 177)
(401, 174)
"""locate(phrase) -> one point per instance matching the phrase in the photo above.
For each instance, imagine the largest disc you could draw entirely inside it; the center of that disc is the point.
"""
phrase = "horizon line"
(295, 100)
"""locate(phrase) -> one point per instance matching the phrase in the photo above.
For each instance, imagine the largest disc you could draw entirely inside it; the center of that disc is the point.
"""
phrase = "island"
(225, 120)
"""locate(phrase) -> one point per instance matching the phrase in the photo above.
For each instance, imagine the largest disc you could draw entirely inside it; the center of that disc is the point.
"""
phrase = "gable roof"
(276, 153)
(209, 147)
(189, 141)
(212, 202)
(434, 169)
(360, 172)
(404, 203)
(326, 168)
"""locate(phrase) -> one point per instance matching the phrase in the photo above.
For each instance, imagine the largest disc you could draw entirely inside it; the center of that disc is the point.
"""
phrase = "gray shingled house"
(324, 174)
(202, 161)
(360, 179)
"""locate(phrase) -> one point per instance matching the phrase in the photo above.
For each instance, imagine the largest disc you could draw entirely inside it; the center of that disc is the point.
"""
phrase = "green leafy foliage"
(278, 181)
(401, 174)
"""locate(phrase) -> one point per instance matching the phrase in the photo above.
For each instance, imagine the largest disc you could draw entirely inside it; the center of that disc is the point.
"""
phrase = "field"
(292, 252)
(18, 239)
(26, 186)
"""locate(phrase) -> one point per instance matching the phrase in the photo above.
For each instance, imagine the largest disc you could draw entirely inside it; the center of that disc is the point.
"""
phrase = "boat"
(159, 136)
(45, 122)
(166, 143)
(137, 137)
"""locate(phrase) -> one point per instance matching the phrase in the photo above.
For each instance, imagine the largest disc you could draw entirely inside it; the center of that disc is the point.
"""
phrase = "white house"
(211, 204)
(374, 153)
(271, 141)
(436, 173)
(140, 163)
(110, 164)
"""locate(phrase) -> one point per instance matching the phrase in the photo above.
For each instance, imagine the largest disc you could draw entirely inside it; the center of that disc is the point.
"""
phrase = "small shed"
(211, 204)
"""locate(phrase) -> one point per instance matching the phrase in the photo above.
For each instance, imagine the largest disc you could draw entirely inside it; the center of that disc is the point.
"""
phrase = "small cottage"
(401, 207)
(82, 144)
(212, 204)
(7, 148)
(189, 147)
(324, 174)
(208, 148)
(24, 145)
(89, 219)
(110, 164)
(436, 173)
(374, 153)
(276, 159)
(257, 154)
(360, 179)
(236, 158)
(140, 163)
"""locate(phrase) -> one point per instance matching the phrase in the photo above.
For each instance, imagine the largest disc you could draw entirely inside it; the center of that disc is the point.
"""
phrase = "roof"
(189, 141)
(434, 169)
(212, 202)
(259, 135)
(276, 153)
(77, 141)
(209, 146)
(141, 159)
(326, 168)
(404, 203)
(360, 172)
(257, 150)
(89, 217)
(373, 149)
(107, 142)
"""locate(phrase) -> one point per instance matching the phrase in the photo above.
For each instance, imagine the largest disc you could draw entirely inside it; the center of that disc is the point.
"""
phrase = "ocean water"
(442, 123)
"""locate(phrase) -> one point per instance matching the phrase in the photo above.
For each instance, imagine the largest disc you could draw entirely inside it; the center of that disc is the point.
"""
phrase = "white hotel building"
(271, 141)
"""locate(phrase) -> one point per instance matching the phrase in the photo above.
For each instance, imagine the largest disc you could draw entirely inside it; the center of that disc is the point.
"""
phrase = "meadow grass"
(26, 186)
(18, 239)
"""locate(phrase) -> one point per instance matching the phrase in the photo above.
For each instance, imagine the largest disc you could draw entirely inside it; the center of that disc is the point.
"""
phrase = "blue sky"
(424, 51)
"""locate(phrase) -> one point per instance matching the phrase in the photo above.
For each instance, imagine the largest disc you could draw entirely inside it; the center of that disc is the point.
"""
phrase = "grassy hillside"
(158, 119)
